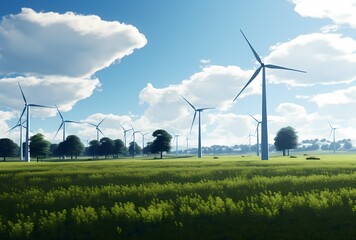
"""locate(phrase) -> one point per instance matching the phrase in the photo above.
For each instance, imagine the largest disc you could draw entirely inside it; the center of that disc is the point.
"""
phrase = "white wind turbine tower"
(27, 109)
(143, 140)
(257, 135)
(63, 124)
(199, 110)
(19, 124)
(249, 140)
(134, 139)
(187, 141)
(176, 137)
(263, 66)
(125, 131)
(97, 128)
(332, 131)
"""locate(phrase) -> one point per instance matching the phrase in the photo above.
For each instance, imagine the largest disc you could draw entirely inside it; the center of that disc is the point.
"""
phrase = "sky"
(130, 61)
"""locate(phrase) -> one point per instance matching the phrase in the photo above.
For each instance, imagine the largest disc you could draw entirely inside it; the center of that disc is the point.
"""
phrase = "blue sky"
(193, 48)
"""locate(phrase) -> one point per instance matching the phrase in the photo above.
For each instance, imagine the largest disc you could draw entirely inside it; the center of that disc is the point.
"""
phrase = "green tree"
(8, 148)
(286, 139)
(119, 147)
(106, 147)
(73, 146)
(53, 149)
(134, 149)
(147, 149)
(94, 147)
(162, 143)
(39, 147)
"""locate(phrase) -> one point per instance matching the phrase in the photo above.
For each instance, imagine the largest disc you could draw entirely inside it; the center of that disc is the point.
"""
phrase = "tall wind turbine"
(63, 124)
(332, 131)
(19, 124)
(125, 131)
(257, 135)
(134, 138)
(263, 66)
(143, 139)
(27, 109)
(176, 136)
(187, 141)
(199, 110)
(97, 128)
(249, 140)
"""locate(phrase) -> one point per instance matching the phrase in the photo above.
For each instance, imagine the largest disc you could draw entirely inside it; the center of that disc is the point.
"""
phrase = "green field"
(226, 198)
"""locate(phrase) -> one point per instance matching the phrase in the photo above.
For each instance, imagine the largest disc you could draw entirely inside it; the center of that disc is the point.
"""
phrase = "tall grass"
(225, 198)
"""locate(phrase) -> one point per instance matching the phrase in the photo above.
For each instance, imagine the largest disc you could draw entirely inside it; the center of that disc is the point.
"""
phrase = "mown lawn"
(226, 198)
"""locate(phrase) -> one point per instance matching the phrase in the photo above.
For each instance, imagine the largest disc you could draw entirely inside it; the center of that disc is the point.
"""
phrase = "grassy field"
(231, 197)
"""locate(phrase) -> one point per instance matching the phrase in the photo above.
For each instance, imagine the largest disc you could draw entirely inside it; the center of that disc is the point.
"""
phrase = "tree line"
(72, 147)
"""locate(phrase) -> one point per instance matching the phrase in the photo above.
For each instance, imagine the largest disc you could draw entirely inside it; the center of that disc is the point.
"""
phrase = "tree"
(8, 148)
(162, 143)
(147, 149)
(53, 149)
(134, 149)
(73, 146)
(106, 146)
(348, 145)
(119, 147)
(286, 139)
(39, 147)
(94, 147)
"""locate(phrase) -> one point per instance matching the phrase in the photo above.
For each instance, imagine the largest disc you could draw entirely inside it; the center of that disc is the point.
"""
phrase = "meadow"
(231, 197)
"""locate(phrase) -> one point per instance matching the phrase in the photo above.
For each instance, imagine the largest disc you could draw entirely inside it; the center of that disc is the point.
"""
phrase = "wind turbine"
(63, 124)
(199, 110)
(125, 131)
(19, 124)
(133, 136)
(143, 139)
(257, 134)
(249, 140)
(97, 128)
(187, 141)
(176, 136)
(332, 131)
(263, 66)
(27, 109)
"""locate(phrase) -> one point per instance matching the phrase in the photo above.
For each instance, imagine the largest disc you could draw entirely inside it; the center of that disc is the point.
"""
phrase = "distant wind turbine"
(97, 128)
(249, 140)
(63, 124)
(125, 131)
(332, 131)
(27, 109)
(19, 124)
(257, 135)
(263, 66)
(199, 110)
(187, 141)
(134, 138)
(176, 137)
(143, 140)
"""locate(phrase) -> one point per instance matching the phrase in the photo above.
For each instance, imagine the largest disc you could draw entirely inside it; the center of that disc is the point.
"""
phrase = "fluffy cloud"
(327, 58)
(340, 12)
(66, 44)
(337, 97)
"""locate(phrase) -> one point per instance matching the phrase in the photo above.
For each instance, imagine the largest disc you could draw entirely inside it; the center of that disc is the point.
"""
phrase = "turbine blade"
(101, 122)
(331, 131)
(60, 114)
(70, 121)
(91, 124)
(23, 95)
(249, 81)
(12, 128)
(101, 132)
(253, 50)
(23, 111)
(60, 126)
(330, 125)
(207, 108)
(38, 105)
(253, 117)
(195, 114)
(283, 68)
(188, 102)
(122, 127)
